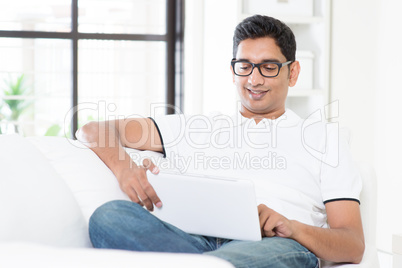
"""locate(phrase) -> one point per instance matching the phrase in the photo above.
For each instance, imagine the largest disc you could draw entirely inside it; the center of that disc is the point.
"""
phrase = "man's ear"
(233, 74)
(294, 73)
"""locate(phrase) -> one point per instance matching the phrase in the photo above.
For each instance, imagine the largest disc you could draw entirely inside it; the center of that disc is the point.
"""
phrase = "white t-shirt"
(296, 165)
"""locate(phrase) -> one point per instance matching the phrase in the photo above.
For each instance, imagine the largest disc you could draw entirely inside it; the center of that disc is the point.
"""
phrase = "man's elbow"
(358, 256)
(88, 134)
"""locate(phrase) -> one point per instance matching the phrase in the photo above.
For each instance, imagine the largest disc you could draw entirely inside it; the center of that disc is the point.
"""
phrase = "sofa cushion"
(90, 180)
(35, 203)
(22, 255)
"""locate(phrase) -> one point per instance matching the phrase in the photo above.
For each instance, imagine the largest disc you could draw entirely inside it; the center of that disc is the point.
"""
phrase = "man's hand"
(134, 182)
(273, 224)
(343, 242)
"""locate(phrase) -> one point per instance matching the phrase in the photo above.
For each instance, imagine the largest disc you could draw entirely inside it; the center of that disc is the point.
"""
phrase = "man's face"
(261, 96)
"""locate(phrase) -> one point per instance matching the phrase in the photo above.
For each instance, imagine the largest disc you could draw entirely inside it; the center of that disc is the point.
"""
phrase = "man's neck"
(258, 117)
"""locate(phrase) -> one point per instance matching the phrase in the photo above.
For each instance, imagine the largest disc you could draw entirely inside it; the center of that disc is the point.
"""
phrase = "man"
(299, 197)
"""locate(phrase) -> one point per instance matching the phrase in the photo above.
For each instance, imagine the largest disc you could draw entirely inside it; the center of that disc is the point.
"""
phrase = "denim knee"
(269, 252)
(127, 225)
(107, 218)
(108, 210)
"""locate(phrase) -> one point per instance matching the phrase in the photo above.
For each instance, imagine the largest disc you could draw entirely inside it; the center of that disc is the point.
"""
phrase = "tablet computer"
(210, 206)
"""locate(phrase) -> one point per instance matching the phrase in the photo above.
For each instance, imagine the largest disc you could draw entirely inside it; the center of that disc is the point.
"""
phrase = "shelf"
(291, 19)
(397, 244)
(305, 92)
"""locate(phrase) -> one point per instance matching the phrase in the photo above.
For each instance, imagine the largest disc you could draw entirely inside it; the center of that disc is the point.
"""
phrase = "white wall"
(215, 21)
(353, 70)
(366, 40)
(389, 141)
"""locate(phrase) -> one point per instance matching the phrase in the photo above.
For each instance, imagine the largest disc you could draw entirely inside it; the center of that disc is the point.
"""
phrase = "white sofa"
(50, 186)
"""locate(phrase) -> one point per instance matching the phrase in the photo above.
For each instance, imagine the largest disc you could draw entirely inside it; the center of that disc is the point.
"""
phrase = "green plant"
(53, 130)
(1, 115)
(13, 91)
(1, 106)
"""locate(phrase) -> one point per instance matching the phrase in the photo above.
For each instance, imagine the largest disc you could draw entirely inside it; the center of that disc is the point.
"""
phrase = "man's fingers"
(145, 200)
(138, 188)
(132, 194)
(149, 165)
(149, 191)
(261, 208)
(269, 226)
(267, 220)
(263, 217)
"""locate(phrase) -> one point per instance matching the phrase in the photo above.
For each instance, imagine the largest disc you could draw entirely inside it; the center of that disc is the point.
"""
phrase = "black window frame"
(174, 51)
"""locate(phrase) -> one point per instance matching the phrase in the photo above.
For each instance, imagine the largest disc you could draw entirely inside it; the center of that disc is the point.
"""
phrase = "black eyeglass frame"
(279, 64)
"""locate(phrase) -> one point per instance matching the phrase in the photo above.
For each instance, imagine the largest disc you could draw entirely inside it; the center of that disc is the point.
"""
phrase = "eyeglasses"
(266, 69)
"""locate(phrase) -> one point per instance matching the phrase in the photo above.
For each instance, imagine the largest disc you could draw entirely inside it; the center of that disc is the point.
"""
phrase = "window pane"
(38, 15)
(120, 78)
(44, 97)
(122, 16)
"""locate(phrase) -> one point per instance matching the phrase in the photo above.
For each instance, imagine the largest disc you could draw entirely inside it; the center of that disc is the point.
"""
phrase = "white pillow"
(90, 180)
(35, 203)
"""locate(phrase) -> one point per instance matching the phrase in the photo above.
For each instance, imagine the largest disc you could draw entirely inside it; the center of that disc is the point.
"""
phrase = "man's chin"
(262, 111)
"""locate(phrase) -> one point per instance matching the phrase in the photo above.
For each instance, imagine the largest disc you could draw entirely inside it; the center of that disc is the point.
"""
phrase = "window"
(67, 62)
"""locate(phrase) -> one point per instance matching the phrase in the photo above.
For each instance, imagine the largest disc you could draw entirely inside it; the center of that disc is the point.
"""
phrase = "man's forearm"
(338, 245)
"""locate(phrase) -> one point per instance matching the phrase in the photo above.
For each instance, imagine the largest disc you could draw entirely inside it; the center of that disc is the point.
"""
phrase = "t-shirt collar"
(287, 119)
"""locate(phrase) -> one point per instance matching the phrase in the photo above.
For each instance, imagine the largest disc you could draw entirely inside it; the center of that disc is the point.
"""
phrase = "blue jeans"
(127, 225)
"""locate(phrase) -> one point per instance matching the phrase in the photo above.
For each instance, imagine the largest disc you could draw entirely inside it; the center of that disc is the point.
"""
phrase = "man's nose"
(255, 78)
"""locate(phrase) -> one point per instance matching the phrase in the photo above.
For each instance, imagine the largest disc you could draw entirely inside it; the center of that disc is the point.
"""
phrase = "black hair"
(258, 26)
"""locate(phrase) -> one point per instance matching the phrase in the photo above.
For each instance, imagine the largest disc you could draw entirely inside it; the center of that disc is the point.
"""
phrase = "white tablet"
(218, 207)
